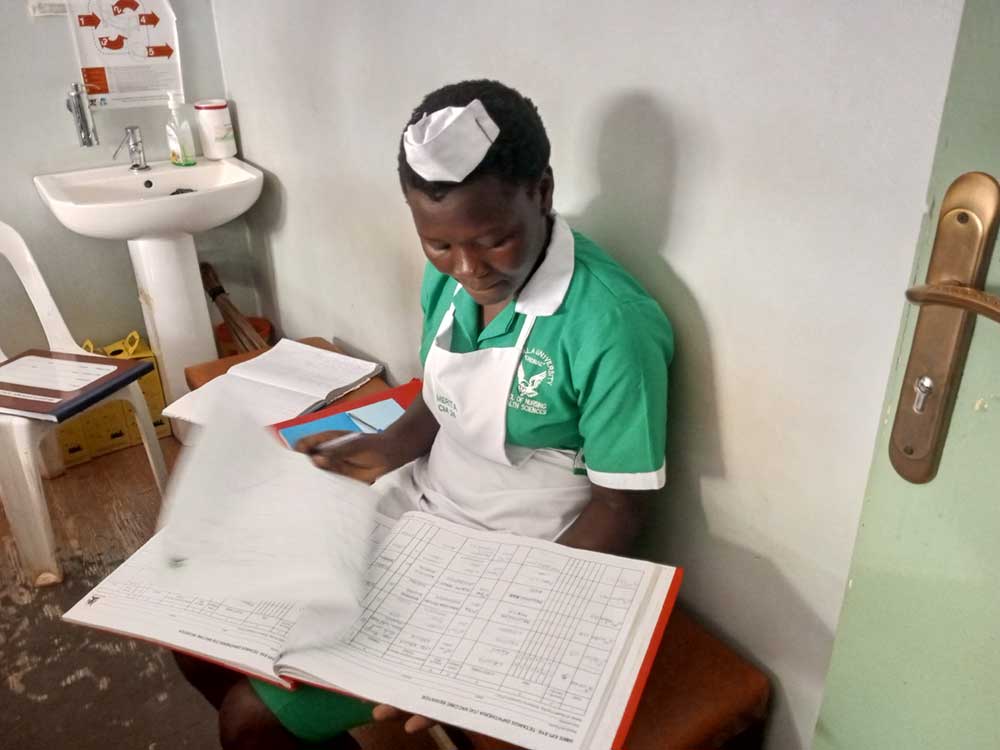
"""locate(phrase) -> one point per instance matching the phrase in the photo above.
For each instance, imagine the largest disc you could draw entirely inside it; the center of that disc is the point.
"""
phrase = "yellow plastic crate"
(112, 426)
(105, 428)
(73, 441)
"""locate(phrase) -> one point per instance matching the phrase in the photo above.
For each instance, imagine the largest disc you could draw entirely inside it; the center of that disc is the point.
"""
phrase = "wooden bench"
(701, 694)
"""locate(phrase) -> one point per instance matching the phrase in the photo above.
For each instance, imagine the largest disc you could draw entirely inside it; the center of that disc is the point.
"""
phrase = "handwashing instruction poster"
(127, 50)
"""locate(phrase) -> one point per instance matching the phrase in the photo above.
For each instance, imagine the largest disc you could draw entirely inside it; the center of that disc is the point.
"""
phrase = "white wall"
(91, 280)
(760, 166)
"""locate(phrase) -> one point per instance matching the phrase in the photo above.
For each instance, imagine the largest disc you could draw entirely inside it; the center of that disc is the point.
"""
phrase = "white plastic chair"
(22, 463)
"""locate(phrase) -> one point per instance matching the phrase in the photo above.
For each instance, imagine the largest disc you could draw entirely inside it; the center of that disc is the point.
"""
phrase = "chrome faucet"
(135, 152)
(78, 103)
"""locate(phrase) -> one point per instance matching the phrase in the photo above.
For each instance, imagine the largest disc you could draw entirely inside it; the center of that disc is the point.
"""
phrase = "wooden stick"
(244, 334)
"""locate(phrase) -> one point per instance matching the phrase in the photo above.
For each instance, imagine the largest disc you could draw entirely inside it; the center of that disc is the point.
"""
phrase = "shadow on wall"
(638, 148)
(636, 165)
(267, 215)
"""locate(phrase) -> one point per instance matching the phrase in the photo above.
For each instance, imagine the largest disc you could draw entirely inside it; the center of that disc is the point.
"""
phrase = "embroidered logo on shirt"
(529, 386)
(530, 380)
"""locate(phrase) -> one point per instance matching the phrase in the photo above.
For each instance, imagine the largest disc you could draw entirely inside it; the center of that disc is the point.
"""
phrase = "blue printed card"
(372, 418)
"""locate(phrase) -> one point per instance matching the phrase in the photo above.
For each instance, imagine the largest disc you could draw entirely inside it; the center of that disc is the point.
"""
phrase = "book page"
(305, 369)
(513, 637)
(140, 599)
(245, 516)
(143, 598)
(53, 374)
(265, 404)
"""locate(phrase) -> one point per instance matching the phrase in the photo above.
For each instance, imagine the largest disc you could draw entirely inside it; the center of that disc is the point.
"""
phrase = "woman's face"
(487, 235)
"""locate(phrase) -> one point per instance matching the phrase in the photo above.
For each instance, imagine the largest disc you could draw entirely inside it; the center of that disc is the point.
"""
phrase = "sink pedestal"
(173, 306)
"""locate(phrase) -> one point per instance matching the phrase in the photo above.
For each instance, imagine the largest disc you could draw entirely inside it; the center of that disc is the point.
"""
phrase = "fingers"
(417, 724)
(413, 724)
(306, 444)
(382, 712)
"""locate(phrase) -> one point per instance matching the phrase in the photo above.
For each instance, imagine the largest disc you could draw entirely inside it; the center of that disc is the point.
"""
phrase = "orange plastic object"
(224, 338)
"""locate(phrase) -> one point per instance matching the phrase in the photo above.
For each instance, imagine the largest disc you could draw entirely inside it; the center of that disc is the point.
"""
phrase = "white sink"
(116, 204)
(113, 203)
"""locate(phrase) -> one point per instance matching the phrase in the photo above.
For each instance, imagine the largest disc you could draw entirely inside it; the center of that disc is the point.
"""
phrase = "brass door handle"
(955, 295)
(949, 301)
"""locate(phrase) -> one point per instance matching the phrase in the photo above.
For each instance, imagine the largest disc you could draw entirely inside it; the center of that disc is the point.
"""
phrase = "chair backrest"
(13, 248)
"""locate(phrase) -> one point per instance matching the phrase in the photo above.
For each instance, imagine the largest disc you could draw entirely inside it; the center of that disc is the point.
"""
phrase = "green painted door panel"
(916, 663)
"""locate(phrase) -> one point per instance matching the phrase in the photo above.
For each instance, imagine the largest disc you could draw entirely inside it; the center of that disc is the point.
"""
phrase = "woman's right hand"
(363, 458)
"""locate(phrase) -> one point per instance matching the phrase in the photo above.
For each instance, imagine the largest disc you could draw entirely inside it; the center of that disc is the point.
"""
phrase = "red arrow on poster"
(122, 5)
(108, 43)
(89, 19)
(159, 50)
(148, 19)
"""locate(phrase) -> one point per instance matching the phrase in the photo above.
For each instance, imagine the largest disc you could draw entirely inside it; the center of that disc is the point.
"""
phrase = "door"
(916, 662)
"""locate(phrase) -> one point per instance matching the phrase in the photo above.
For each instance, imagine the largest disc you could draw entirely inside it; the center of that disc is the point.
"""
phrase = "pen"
(334, 442)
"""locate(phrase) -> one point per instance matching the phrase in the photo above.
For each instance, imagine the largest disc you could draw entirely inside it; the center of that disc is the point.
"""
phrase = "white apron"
(471, 476)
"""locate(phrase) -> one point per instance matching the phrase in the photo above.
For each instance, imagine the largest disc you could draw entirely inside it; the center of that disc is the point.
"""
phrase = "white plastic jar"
(215, 127)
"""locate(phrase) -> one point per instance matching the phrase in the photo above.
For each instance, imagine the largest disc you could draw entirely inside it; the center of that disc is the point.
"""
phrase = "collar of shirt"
(547, 287)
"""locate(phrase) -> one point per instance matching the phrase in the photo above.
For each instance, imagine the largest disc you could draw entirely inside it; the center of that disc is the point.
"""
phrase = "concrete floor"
(65, 686)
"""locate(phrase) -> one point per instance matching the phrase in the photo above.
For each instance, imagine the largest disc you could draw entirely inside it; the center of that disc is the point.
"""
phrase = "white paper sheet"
(141, 598)
(54, 374)
(127, 50)
(264, 404)
(506, 635)
(303, 368)
(246, 517)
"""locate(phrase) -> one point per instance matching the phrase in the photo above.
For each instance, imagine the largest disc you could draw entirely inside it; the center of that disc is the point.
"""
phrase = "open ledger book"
(526, 640)
(286, 380)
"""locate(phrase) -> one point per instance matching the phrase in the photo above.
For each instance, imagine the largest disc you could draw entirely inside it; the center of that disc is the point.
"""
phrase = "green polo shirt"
(593, 376)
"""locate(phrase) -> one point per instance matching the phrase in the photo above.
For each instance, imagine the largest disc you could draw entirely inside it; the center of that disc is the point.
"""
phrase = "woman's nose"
(466, 262)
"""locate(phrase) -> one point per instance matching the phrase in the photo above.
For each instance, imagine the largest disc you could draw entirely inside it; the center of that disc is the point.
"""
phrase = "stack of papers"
(283, 382)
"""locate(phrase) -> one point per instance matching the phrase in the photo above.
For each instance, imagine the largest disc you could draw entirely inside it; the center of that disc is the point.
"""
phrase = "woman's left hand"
(412, 724)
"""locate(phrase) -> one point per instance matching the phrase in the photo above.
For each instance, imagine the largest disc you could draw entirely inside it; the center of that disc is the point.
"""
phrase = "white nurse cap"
(447, 145)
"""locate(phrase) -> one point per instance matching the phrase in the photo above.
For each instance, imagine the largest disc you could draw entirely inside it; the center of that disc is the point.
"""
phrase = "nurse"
(545, 379)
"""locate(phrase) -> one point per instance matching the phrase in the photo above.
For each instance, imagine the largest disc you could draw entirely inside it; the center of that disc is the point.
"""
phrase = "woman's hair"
(520, 153)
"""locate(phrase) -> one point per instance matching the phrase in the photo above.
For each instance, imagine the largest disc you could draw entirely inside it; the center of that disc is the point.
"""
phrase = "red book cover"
(647, 663)
(404, 395)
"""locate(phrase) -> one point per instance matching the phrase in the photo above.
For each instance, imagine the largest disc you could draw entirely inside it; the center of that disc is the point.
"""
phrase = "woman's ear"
(546, 187)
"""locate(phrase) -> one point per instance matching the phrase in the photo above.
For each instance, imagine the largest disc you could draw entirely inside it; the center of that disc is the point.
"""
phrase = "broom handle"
(243, 332)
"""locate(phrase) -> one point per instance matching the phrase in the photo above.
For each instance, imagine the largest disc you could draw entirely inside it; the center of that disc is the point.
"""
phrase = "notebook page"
(305, 369)
(264, 403)
(509, 636)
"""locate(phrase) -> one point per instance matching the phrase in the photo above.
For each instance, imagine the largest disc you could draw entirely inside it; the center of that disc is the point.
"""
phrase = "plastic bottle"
(179, 138)
(215, 128)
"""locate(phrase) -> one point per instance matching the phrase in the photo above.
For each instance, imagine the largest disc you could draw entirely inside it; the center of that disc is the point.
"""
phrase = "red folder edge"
(404, 395)
(647, 663)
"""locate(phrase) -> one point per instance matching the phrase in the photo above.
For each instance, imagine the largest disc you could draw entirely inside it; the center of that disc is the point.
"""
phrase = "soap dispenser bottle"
(179, 138)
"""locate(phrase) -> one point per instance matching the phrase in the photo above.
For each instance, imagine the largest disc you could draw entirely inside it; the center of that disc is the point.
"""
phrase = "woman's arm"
(370, 456)
(610, 522)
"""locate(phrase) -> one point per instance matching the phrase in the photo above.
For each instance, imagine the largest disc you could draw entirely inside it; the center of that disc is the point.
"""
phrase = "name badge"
(446, 406)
